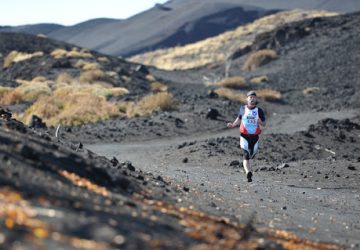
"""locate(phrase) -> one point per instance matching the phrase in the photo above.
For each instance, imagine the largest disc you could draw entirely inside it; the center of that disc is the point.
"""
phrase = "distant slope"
(217, 49)
(76, 31)
(42, 28)
(179, 22)
(176, 23)
(162, 26)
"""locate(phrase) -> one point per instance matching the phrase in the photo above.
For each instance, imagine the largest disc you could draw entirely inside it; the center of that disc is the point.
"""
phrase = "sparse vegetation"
(64, 78)
(103, 59)
(269, 95)
(158, 87)
(310, 90)
(27, 91)
(85, 65)
(60, 53)
(91, 76)
(72, 109)
(263, 94)
(259, 58)
(231, 94)
(66, 100)
(16, 56)
(75, 104)
(4, 95)
(41, 35)
(216, 49)
(150, 103)
(232, 82)
(150, 78)
(259, 79)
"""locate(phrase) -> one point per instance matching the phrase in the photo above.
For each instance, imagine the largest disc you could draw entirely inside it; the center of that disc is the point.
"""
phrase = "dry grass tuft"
(231, 95)
(67, 101)
(150, 103)
(269, 95)
(103, 59)
(27, 91)
(6, 96)
(59, 53)
(259, 79)
(64, 78)
(16, 56)
(91, 76)
(259, 58)
(95, 89)
(41, 35)
(232, 82)
(85, 65)
(75, 53)
(71, 108)
(310, 90)
(158, 87)
(150, 78)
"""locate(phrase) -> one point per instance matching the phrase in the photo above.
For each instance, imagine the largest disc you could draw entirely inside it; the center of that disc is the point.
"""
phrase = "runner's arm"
(237, 120)
(262, 121)
(234, 123)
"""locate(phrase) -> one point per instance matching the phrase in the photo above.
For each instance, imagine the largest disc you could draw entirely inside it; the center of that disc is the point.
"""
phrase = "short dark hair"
(251, 93)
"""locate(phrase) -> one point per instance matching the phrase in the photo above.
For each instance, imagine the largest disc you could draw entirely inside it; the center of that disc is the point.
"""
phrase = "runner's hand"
(230, 125)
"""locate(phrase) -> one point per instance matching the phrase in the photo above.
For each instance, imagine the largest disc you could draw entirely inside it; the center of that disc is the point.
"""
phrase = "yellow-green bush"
(92, 76)
(231, 94)
(5, 97)
(85, 65)
(259, 79)
(158, 87)
(232, 82)
(310, 90)
(258, 58)
(74, 53)
(71, 109)
(269, 95)
(64, 78)
(150, 78)
(27, 91)
(150, 103)
(103, 59)
(16, 56)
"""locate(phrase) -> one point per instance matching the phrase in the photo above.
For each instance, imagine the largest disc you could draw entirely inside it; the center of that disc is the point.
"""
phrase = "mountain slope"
(216, 49)
(164, 27)
(176, 23)
(42, 28)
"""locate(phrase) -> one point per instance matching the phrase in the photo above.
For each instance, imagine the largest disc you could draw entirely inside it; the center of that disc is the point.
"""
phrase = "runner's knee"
(246, 155)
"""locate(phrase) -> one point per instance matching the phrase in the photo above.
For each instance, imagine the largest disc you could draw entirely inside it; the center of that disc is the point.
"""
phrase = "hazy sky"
(68, 12)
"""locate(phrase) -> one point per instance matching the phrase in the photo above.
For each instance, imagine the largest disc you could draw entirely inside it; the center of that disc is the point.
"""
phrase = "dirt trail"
(280, 200)
(139, 153)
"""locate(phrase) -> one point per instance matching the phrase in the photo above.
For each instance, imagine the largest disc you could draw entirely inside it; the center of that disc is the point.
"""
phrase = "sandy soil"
(313, 193)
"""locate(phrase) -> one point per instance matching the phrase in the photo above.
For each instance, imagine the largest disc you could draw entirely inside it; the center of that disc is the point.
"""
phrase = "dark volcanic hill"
(176, 23)
(166, 25)
(50, 67)
(43, 28)
(321, 53)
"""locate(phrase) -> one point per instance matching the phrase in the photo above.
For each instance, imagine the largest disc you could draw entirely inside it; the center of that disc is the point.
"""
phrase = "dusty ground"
(314, 195)
(184, 173)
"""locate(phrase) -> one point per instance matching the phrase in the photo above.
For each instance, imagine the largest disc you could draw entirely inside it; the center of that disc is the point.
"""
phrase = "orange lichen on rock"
(216, 232)
(82, 182)
(17, 212)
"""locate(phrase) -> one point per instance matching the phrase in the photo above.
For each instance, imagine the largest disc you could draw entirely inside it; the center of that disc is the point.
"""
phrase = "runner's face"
(251, 100)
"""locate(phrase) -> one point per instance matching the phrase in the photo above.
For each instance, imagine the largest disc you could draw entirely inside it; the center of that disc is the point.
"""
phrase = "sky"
(68, 12)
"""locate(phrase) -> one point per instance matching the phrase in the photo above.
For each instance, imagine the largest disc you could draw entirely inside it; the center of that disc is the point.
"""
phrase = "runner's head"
(251, 98)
